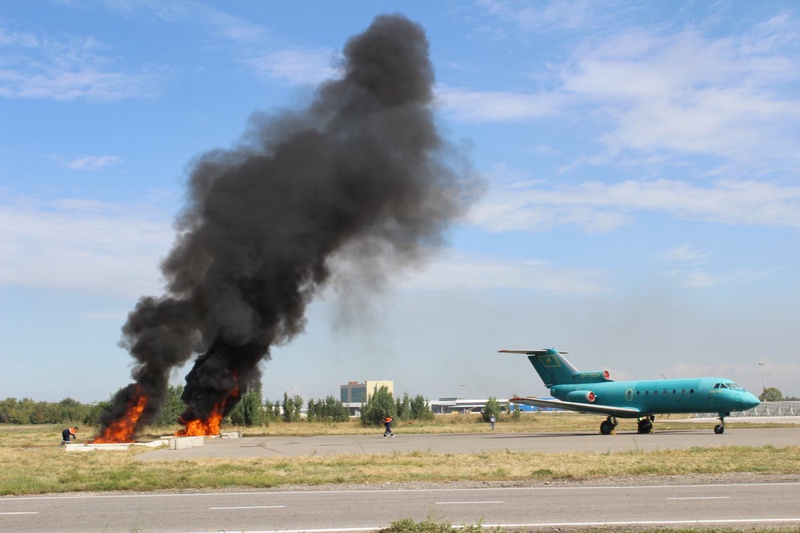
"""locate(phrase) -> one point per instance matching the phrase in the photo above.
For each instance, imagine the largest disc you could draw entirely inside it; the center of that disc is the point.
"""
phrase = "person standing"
(387, 423)
(492, 420)
(67, 434)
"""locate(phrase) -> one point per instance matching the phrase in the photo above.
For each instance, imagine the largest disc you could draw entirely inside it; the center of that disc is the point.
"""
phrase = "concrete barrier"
(116, 446)
(95, 447)
(182, 443)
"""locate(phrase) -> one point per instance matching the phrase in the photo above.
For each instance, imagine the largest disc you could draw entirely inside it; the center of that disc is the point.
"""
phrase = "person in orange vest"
(387, 423)
(67, 434)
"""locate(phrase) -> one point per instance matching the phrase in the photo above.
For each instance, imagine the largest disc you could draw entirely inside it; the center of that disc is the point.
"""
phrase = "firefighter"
(387, 423)
(67, 434)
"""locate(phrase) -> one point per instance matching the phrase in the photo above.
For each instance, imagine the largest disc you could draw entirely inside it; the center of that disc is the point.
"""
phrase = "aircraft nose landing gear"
(719, 429)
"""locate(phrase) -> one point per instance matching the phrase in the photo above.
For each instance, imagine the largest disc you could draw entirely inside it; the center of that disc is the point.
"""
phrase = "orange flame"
(211, 425)
(197, 428)
(123, 430)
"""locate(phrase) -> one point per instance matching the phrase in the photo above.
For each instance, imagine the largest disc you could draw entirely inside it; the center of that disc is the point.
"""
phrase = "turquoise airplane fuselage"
(690, 395)
(596, 392)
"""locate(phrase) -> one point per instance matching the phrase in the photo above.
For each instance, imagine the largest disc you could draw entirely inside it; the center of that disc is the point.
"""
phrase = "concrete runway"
(531, 508)
(326, 445)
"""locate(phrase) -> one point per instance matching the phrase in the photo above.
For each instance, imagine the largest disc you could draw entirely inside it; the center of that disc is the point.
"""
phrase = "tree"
(378, 406)
(328, 410)
(171, 409)
(771, 394)
(291, 407)
(403, 407)
(492, 407)
(249, 411)
(421, 408)
(271, 411)
(312, 411)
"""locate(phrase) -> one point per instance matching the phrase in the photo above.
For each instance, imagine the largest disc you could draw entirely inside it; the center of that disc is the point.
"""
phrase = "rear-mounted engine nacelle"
(582, 396)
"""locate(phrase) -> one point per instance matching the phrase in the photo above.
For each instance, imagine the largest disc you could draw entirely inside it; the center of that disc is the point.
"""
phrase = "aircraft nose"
(748, 401)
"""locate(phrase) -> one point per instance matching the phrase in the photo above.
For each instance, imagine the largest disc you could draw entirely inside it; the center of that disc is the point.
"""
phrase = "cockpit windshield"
(734, 386)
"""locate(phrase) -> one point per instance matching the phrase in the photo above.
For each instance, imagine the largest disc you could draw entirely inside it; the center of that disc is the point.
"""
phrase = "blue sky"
(641, 212)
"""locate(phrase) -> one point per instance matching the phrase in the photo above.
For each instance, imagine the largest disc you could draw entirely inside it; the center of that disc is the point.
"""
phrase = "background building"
(358, 393)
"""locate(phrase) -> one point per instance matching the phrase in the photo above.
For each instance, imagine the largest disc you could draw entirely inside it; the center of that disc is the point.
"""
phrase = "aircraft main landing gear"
(719, 429)
(608, 425)
(645, 425)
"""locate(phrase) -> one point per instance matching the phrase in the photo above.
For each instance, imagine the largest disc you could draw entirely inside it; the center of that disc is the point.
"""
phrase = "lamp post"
(763, 378)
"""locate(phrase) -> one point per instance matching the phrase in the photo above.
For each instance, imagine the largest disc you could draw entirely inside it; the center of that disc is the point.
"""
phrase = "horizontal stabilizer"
(622, 412)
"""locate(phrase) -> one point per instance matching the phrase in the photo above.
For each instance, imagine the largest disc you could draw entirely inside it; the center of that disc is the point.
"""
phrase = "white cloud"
(490, 106)
(82, 245)
(685, 253)
(560, 15)
(658, 90)
(65, 67)
(701, 279)
(600, 207)
(687, 93)
(458, 271)
(298, 67)
(217, 22)
(90, 162)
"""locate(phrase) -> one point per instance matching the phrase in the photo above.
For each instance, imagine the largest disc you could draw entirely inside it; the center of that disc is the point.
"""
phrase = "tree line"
(252, 410)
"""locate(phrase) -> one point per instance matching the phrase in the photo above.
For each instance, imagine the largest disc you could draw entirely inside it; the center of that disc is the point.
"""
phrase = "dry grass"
(471, 423)
(33, 463)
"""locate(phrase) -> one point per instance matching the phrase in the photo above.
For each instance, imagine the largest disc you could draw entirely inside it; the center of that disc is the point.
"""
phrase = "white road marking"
(701, 498)
(470, 502)
(249, 507)
(21, 512)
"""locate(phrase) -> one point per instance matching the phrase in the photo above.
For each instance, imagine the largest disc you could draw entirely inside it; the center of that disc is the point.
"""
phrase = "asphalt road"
(337, 511)
(324, 445)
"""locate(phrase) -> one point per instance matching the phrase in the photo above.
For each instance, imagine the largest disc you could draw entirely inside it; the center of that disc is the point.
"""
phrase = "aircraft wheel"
(719, 429)
(645, 426)
(606, 427)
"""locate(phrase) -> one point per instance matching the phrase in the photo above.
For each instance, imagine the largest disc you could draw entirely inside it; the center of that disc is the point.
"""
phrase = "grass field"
(32, 462)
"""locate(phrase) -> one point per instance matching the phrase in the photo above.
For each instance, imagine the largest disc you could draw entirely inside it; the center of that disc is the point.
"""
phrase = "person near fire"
(387, 423)
(67, 434)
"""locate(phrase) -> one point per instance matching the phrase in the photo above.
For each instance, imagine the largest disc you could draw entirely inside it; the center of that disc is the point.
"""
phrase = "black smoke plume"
(361, 177)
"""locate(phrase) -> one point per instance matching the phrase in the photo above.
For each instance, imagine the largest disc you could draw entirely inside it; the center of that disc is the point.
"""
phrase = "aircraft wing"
(623, 412)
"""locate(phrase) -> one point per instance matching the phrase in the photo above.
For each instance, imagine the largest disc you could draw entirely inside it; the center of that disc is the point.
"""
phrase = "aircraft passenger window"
(683, 391)
(647, 393)
(691, 391)
(665, 391)
(655, 392)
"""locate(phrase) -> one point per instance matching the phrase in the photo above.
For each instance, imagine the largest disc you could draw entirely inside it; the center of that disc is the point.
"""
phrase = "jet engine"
(582, 396)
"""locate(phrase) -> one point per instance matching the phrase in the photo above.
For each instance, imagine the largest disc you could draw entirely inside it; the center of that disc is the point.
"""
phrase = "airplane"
(596, 392)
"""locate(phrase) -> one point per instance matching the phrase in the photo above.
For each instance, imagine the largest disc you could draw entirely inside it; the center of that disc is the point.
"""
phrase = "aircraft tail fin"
(554, 369)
